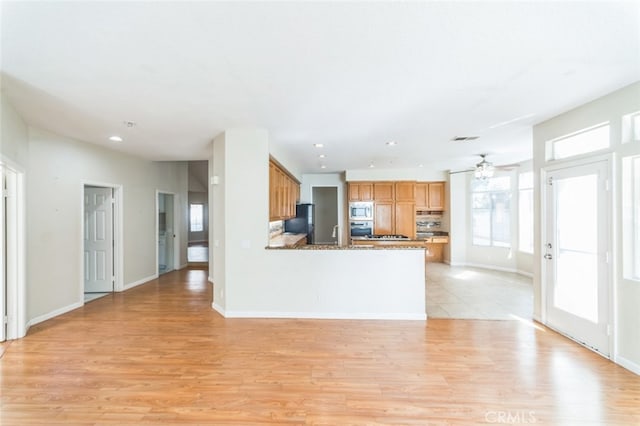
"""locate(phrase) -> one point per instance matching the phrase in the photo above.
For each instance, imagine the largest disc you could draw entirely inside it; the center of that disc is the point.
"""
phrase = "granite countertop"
(286, 240)
(350, 247)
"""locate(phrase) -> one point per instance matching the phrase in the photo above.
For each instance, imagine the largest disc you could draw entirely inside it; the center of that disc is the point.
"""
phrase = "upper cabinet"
(436, 195)
(284, 193)
(360, 191)
(430, 196)
(383, 191)
(405, 191)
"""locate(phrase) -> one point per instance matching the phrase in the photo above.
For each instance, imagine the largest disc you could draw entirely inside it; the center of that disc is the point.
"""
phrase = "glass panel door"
(577, 269)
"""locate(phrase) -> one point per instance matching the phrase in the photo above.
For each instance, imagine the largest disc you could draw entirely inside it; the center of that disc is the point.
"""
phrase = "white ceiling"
(352, 76)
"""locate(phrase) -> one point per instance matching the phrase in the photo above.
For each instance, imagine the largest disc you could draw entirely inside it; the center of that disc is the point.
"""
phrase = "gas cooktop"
(387, 237)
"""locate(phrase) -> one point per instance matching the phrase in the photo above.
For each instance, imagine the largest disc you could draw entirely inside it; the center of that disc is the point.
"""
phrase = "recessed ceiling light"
(115, 139)
(392, 143)
(321, 156)
(323, 166)
(420, 165)
(371, 166)
(318, 145)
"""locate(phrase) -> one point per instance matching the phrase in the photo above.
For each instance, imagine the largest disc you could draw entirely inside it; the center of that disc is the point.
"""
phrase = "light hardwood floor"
(158, 354)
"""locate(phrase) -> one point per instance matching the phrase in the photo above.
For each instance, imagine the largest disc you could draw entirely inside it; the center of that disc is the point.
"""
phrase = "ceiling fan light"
(484, 170)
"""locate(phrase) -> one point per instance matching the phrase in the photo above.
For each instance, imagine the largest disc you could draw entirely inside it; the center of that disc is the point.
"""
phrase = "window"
(631, 127)
(631, 217)
(490, 214)
(582, 142)
(196, 217)
(525, 212)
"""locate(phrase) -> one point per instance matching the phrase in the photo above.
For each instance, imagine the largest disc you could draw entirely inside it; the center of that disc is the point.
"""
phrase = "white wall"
(14, 134)
(55, 169)
(58, 167)
(455, 252)
(626, 302)
(419, 174)
(250, 280)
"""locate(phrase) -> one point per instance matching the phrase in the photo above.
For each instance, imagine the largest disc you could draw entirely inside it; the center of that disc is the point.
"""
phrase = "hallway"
(159, 354)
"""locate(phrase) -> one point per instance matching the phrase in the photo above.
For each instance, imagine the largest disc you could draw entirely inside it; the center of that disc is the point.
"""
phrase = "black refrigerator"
(303, 223)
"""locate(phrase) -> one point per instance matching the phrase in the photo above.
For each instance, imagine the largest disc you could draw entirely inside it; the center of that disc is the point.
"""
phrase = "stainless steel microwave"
(361, 210)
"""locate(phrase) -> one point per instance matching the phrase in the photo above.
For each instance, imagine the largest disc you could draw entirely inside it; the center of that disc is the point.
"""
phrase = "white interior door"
(577, 253)
(98, 239)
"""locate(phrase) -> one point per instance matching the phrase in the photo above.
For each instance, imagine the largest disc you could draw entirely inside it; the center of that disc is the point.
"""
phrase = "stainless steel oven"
(361, 210)
(361, 228)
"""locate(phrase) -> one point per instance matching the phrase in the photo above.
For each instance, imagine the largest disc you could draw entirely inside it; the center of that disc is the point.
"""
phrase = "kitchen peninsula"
(250, 281)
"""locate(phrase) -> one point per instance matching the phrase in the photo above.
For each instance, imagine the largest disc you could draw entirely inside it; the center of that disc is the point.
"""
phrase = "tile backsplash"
(428, 222)
(276, 228)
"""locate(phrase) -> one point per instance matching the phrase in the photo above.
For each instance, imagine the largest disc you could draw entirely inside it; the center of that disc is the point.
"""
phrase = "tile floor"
(475, 293)
(198, 253)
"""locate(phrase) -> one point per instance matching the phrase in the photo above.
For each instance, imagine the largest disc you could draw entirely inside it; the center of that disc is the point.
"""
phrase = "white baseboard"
(219, 309)
(210, 280)
(139, 282)
(184, 265)
(491, 267)
(55, 313)
(629, 365)
(321, 315)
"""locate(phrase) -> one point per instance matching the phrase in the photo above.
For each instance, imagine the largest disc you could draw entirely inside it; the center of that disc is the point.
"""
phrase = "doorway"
(166, 232)
(12, 253)
(325, 199)
(99, 241)
(576, 253)
(198, 217)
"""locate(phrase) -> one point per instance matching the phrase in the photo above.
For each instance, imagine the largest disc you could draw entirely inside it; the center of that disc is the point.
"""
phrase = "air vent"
(464, 138)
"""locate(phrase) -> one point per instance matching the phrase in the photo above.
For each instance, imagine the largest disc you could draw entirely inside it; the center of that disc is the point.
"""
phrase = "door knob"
(548, 256)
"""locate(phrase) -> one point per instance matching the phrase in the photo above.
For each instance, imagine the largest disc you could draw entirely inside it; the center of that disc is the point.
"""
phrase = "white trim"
(321, 315)
(219, 309)
(16, 285)
(629, 365)
(210, 279)
(492, 267)
(52, 314)
(139, 282)
(176, 230)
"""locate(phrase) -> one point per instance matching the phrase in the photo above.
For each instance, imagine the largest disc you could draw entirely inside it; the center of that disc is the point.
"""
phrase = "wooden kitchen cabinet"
(430, 196)
(284, 193)
(405, 218)
(405, 191)
(384, 218)
(436, 196)
(383, 191)
(360, 191)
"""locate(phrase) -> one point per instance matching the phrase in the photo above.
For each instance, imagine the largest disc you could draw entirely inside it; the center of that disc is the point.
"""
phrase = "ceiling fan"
(485, 169)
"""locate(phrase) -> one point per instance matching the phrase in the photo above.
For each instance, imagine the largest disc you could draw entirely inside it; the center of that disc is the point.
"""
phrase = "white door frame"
(544, 189)
(176, 231)
(17, 252)
(118, 236)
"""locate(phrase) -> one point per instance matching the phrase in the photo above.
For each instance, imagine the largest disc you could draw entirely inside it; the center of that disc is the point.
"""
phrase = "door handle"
(548, 256)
